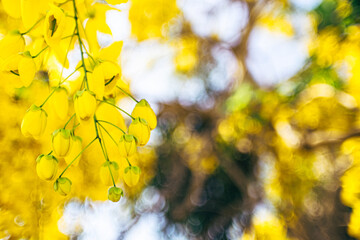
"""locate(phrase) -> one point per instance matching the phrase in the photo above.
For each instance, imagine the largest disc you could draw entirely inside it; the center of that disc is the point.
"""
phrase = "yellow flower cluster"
(57, 25)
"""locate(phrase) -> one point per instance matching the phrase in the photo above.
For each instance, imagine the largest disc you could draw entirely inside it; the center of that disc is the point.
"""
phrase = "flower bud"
(62, 186)
(76, 148)
(143, 110)
(131, 175)
(34, 122)
(85, 105)
(60, 103)
(127, 145)
(61, 142)
(105, 175)
(115, 193)
(140, 129)
(46, 167)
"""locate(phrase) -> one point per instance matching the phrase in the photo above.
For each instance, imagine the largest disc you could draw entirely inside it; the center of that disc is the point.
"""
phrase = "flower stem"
(107, 132)
(111, 124)
(126, 93)
(76, 157)
(38, 21)
(117, 108)
(103, 148)
(69, 120)
(80, 43)
(40, 52)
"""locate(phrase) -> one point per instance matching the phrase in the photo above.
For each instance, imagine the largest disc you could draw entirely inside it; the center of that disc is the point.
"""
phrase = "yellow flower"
(54, 26)
(96, 83)
(105, 175)
(115, 193)
(34, 122)
(61, 142)
(46, 167)
(12, 7)
(142, 109)
(59, 102)
(76, 148)
(20, 67)
(85, 105)
(11, 44)
(62, 186)
(127, 145)
(131, 175)
(140, 129)
(110, 73)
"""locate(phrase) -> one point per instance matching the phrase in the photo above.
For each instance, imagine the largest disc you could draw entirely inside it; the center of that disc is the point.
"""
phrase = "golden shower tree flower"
(61, 142)
(76, 148)
(60, 103)
(109, 172)
(115, 193)
(143, 110)
(139, 128)
(109, 73)
(85, 105)
(62, 186)
(46, 167)
(54, 26)
(127, 145)
(131, 175)
(34, 122)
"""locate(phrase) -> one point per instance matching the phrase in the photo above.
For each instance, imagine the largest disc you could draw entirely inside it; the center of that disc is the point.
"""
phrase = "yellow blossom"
(143, 110)
(46, 167)
(131, 175)
(127, 145)
(76, 148)
(105, 176)
(54, 26)
(62, 186)
(114, 194)
(34, 122)
(85, 105)
(61, 142)
(140, 129)
(60, 103)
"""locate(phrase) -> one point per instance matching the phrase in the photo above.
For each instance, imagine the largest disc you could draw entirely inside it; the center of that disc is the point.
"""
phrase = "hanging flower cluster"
(55, 27)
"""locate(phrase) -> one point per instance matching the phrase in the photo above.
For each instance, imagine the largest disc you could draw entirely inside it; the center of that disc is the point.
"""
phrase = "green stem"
(80, 43)
(69, 120)
(128, 162)
(67, 52)
(40, 52)
(33, 26)
(117, 108)
(112, 177)
(76, 157)
(126, 93)
(59, 86)
(75, 126)
(49, 96)
(111, 124)
(102, 148)
(50, 152)
(107, 132)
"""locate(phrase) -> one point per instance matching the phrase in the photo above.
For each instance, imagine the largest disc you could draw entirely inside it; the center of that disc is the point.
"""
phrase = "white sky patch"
(220, 18)
(274, 57)
(95, 220)
(307, 5)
